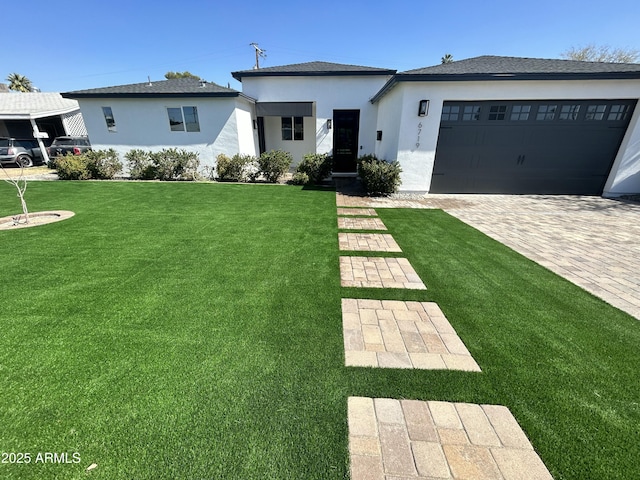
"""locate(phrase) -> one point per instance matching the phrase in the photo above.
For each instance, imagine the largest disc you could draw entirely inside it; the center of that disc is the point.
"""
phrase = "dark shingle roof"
(177, 87)
(490, 67)
(312, 69)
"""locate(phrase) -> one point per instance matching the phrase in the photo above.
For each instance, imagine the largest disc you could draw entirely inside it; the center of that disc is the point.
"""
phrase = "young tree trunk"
(21, 185)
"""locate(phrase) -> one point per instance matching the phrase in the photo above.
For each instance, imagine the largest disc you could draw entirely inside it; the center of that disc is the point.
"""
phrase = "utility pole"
(259, 53)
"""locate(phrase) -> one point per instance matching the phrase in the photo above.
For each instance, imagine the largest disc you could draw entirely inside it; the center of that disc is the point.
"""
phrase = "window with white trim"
(183, 119)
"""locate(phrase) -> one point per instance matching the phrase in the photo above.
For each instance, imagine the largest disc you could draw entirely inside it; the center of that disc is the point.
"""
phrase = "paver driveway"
(591, 241)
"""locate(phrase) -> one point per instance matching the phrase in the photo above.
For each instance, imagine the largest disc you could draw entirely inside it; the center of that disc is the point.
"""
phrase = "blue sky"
(72, 45)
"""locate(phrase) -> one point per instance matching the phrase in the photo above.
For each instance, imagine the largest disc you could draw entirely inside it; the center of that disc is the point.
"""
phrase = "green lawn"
(193, 331)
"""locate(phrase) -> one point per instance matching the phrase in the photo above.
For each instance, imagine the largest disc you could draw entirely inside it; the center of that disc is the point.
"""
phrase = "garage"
(542, 146)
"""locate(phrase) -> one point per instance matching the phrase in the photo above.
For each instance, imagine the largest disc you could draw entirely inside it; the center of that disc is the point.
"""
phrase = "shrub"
(98, 164)
(300, 178)
(72, 167)
(379, 177)
(233, 169)
(173, 164)
(317, 166)
(102, 164)
(274, 164)
(140, 165)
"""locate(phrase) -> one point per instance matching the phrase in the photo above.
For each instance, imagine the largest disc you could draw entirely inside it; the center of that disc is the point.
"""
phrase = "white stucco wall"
(329, 93)
(225, 126)
(417, 156)
(297, 148)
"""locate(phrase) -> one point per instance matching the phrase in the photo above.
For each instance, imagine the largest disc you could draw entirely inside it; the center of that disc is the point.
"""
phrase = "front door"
(346, 124)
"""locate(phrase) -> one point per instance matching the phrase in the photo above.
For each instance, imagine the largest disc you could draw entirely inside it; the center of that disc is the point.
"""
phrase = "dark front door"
(346, 124)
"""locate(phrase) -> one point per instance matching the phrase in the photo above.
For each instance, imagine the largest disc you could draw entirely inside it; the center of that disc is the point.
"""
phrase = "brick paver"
(378, 272)
(368, 242)
(358, 212)
(401, 439)
(360, 223)
(395, 334)
(590, 241)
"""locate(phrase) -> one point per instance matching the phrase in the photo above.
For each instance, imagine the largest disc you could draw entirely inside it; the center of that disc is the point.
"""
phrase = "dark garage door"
(548, 147)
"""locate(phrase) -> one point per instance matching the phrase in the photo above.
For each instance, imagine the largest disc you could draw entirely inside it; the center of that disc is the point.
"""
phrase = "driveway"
(591, 241)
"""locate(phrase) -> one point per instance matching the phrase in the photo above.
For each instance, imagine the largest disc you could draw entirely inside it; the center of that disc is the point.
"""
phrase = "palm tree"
(448, 58)
(19, 83)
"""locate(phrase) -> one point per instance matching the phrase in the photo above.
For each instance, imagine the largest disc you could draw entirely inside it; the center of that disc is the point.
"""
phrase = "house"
(179, 113)
(481, 125)
(43, 116)
(316, 107)
(514, 125)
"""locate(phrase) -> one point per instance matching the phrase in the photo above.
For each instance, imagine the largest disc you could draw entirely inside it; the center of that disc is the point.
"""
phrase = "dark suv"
(23, 152)
(66, 145)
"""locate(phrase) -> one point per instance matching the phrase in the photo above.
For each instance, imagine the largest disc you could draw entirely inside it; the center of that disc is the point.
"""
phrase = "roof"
(489, 67)
(176, 87)
(311, 69)
(34, 105)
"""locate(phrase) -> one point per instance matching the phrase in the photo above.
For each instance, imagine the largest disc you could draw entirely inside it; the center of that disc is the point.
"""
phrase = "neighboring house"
(179, 113)
(514, 125)
(39, 115)
(316, 107)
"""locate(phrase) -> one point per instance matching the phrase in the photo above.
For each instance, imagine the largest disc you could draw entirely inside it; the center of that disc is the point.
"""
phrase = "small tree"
(601, 53)
(20, 183)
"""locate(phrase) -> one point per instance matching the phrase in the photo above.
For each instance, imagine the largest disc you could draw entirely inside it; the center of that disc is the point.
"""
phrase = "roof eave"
(340, 73)
(74, 95)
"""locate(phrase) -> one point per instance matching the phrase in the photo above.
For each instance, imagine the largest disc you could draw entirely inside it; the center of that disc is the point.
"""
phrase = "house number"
(419, 132)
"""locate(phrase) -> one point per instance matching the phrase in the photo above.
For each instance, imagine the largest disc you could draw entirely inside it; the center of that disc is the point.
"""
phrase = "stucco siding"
(329, 93)
(143, 123)
(417, 157)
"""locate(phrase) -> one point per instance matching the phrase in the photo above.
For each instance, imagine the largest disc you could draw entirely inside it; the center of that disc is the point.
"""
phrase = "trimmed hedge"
(379, 177)
(316, 166)
(92, 164)
(166, 164)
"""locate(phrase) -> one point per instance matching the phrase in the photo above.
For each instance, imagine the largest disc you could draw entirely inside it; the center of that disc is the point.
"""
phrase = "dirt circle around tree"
(36, 219)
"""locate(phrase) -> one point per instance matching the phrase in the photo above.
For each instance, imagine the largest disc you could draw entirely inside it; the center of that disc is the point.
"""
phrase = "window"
(595, 112)
(569, 112)
(292, 128)
(520, 112)
(181, 117)
(497, 112)
(450, 113)
(618, 112)
(471, 113)
(546, 112)
(108, 117)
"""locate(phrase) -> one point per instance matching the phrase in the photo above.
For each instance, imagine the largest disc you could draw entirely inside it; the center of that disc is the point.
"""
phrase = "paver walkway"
(395, 334)
(378, 272)
(368, 242)
(590, 241)
(409, 439)
(360, 223)
(358, 212)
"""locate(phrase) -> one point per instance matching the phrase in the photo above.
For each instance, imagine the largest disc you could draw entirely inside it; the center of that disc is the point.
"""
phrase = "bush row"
(167, 164)
(98, 164)
(269, 166)
(378, 177)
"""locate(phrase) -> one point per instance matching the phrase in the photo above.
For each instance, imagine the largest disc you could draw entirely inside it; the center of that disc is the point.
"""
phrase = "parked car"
(65, 145)
(24, 152)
